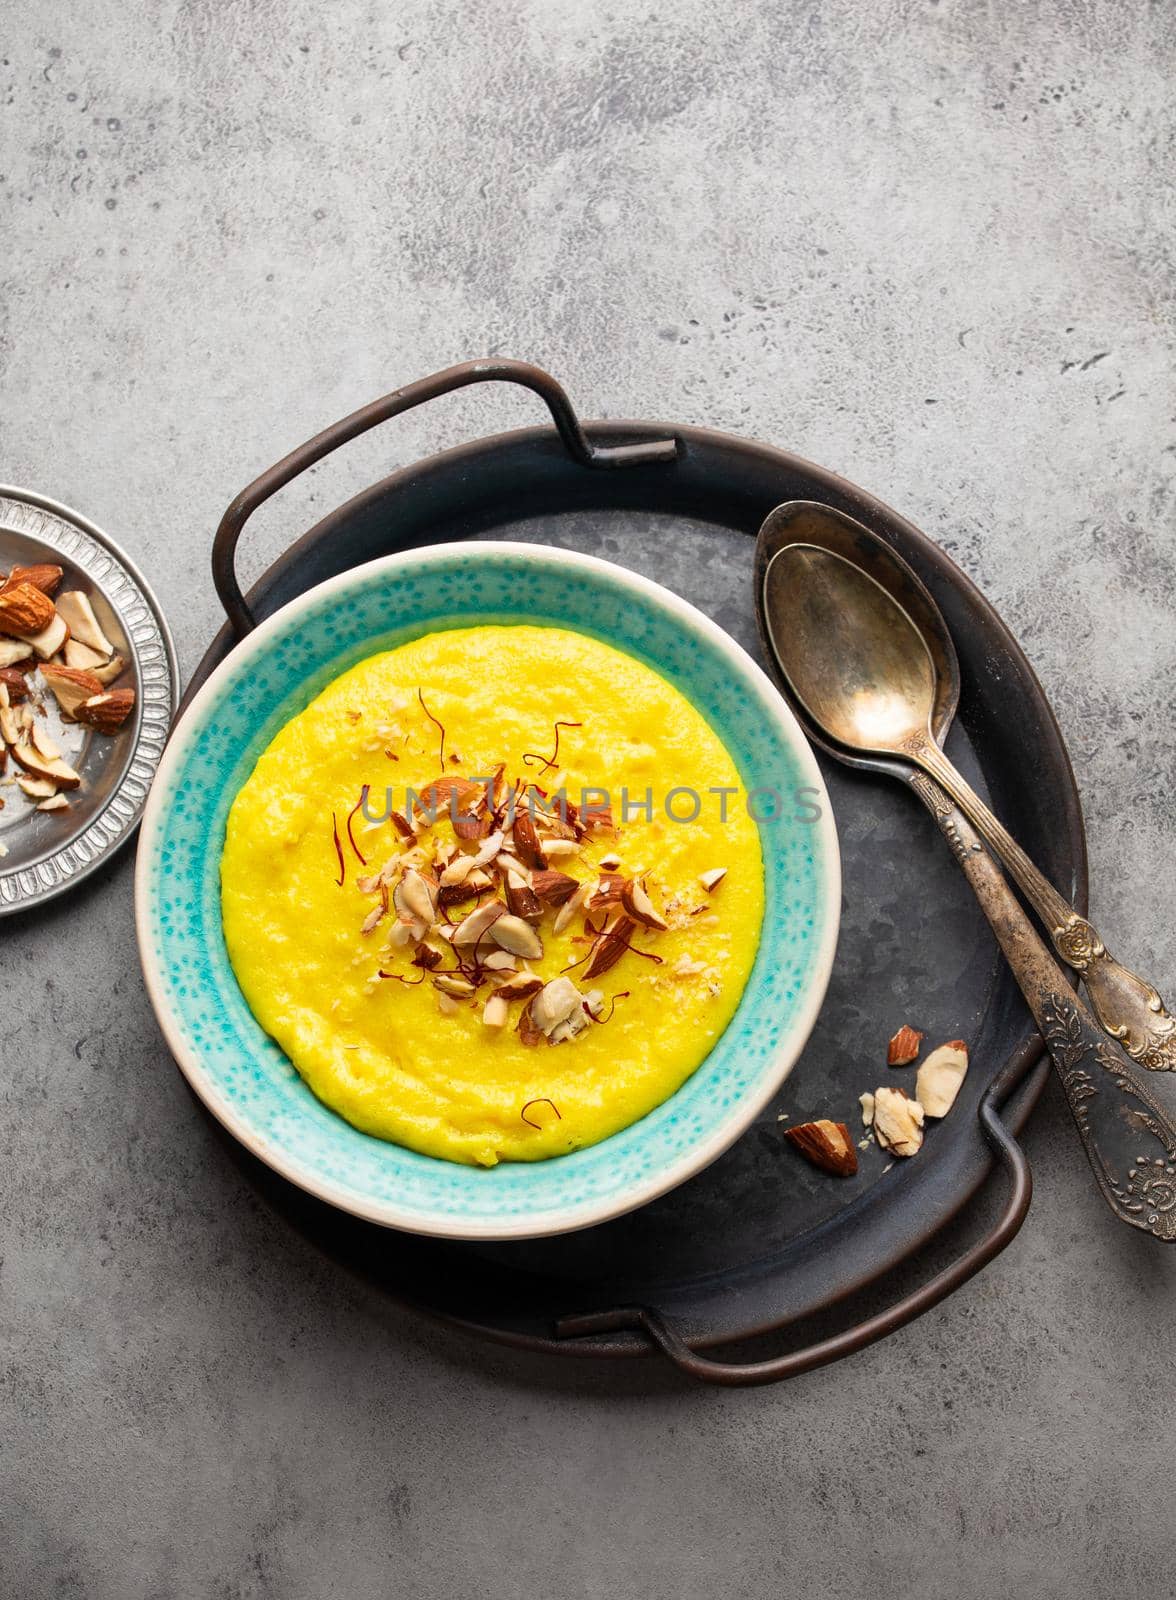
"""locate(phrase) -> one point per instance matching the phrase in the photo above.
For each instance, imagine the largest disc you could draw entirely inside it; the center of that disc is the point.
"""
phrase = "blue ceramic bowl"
(242, 1075)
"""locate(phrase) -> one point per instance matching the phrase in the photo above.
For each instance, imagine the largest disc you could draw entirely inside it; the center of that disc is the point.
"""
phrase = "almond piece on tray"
(49, 641)
(69, 686)
(940, 1077)
(10, 729)
(827, 1145)
(106, 675)
(904, 1047)
(25, 611)
(42, 575)
(15, 683)
(898, 1122)
(53, 768)
(37, 788)
(15, 653)
(107, 711)
(29, 616)
(81, 656)
(77, 613)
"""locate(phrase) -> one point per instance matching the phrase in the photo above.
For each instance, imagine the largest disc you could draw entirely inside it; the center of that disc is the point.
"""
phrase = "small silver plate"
(50, 852)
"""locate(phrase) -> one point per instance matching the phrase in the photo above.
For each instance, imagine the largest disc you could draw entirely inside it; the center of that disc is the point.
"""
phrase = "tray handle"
(672, 1345)
(576, 442)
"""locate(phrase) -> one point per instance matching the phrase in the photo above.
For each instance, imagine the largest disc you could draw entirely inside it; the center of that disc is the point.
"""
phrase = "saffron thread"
(551, 761)
(363, 794)
(542, 1101)
(435, 723)
(409, 983)
(342, 878)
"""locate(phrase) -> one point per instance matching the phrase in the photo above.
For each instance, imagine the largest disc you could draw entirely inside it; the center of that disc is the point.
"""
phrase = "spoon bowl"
(855, 659)
(821, 529)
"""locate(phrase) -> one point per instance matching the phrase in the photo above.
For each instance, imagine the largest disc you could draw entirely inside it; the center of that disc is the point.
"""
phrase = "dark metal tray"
(760, 1240)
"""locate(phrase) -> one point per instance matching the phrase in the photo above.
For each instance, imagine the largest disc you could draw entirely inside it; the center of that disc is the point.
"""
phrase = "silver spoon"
(857, 642)
(863, 670)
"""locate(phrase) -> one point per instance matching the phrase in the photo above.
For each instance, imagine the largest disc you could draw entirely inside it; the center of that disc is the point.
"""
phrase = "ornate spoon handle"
(1129, 1009)
(1130, 1140)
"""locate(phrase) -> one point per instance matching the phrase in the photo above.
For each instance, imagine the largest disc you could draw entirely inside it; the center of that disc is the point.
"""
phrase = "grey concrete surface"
(928, 244)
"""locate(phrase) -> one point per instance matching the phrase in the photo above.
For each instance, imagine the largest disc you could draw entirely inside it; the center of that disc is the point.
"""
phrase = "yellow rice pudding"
(446, 1073)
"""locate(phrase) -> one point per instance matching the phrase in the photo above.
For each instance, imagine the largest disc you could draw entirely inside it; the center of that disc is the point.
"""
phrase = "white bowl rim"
(552, 1221)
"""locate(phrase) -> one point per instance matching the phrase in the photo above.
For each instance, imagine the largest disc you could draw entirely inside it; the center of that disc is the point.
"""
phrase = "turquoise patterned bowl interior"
(242, 1075)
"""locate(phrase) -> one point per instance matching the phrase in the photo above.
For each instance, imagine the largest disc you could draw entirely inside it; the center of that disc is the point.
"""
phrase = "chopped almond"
(58, 771)
(522, 899)
(904, 1047)
(41, 575)
(49, 641)
(526, 840)
(15, 653)
(10, 728)
(499, 961)
(520, 986)
(43, 744)
(459, 793)
(560, 849)
(454, 984)
(414, 898)
(70, 686)
(16, 685)
(640, 907)
(106, 675)
(827, 1145)
(576, 903)
(81, 657)
(489, 851)
(468, 826)
(610, 947)
(608, 891)
(25, 611)
(517, 936)
(478, 923)
(529, 1033)
(458, 870)
(554, 1003)
(37, 788)
(75, 609)
(496, 1012)
(898, 1122)
(107, 711)
(940, 1078)
(553, 888)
